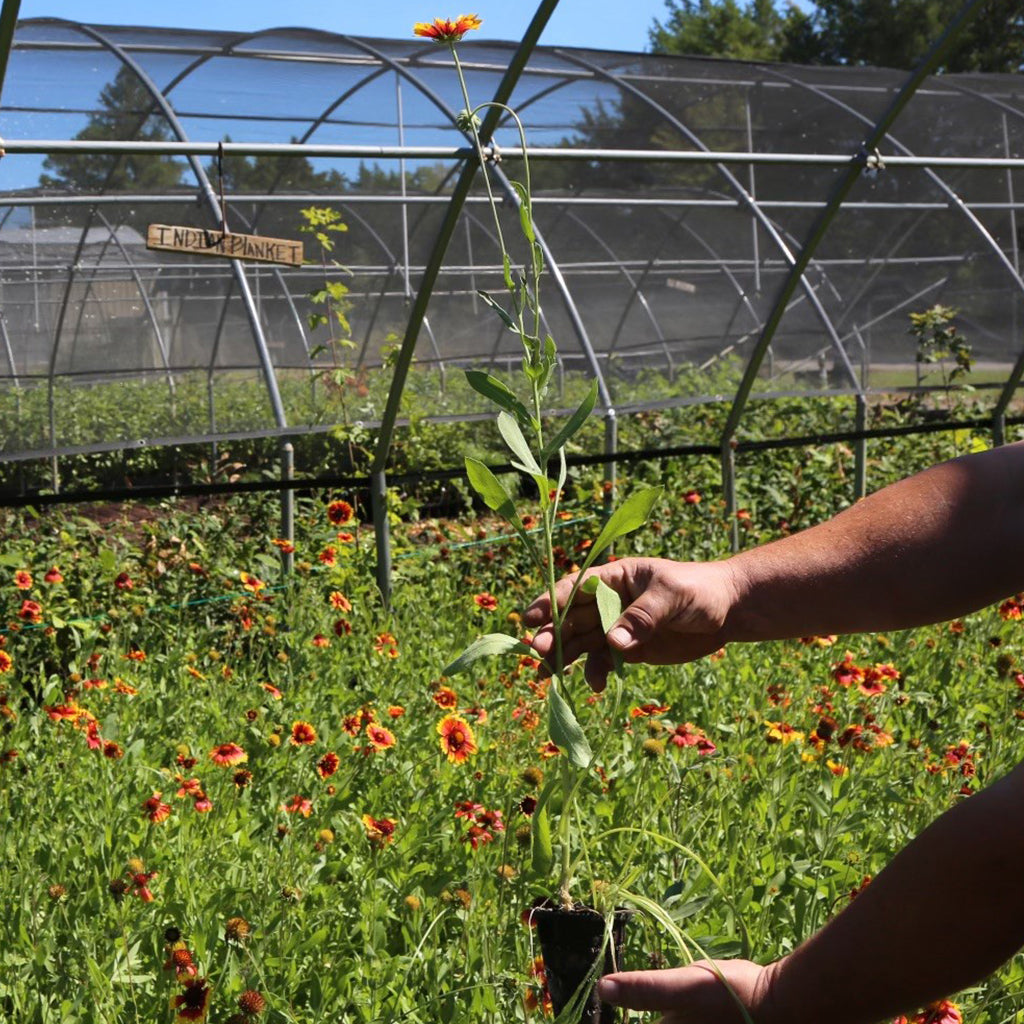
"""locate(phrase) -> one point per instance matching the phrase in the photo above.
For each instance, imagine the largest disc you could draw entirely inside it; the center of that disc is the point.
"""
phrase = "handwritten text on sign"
(216, 243)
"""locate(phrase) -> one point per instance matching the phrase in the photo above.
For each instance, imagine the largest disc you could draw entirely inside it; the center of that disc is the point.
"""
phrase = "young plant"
(538, 454)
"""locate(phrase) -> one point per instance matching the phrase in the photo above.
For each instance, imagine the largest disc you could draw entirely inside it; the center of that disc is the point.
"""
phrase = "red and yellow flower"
(339, 513)
(447, 30)
(156, 810)
(379, 737)
(303, 734)
(228, 754)
(486, 601)
(194, 1003)
(457, 740)
(380, 831)
(23, 579)
(327, 765)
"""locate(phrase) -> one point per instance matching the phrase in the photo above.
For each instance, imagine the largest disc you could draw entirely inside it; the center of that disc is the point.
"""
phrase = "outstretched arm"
(935, 545)
(886, 952)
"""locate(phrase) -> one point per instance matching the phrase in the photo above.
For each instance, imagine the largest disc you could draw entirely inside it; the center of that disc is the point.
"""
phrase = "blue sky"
(606, 24)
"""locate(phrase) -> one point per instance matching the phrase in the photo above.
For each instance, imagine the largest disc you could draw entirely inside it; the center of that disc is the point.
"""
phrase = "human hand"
(672, 612)
(716, 992)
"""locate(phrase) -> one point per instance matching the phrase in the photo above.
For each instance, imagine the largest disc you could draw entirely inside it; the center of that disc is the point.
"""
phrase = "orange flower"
(303, 734)
(446, 30)
(380, 831)
(120, 686)
(386, 644)
(23, 579)
(156, 810)
(457, 740)
(286, 546)
(30, 611)
(396, 711)
(648, 710)
(251, 583)
(339, 602)
(123, 581)
(320, 641)
(298, 805)
(53, 575)
(339, 513)
(344, 537)
(379, 737)
(228, 754)
(6, 662)
(328, 556)
(272, 690)
(445, 698)
(486, 601)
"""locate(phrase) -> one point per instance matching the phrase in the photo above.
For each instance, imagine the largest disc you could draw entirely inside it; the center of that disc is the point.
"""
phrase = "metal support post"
(288, 508)
(728, 459)
(999, 430)
(611, 446)
(860, 449)
(382, 533)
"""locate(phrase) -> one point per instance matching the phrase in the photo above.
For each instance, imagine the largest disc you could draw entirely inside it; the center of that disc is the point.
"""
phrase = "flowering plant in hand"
(535, 451)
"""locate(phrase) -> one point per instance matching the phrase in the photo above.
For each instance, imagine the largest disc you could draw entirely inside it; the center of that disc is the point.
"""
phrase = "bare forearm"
(931, 547)
(890, 950)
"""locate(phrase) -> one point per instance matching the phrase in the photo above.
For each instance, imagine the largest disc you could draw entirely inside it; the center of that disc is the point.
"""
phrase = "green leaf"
(506, 266)
(509, 430)
(540, 834)
(500, 310)
(486, 646)
(525, 215)
(609, 603)
(490, 488)
(565, 731)
(499, 393)
(573, 424)
(629, 516)
(609, 608)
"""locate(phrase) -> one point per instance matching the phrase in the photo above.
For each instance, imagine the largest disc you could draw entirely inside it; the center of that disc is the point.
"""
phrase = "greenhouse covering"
(673, 195)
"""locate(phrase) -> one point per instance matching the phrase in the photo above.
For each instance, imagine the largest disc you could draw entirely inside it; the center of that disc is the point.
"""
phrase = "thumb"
(648, 990)
(638, 623)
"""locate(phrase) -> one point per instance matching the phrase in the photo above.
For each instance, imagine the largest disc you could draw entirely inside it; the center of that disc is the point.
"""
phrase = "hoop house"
(715, 232)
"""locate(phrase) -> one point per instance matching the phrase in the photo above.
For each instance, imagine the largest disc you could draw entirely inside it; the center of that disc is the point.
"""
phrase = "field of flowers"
(235, 795)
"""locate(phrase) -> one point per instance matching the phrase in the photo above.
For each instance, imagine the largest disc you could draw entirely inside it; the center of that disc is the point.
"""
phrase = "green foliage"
(881, 33)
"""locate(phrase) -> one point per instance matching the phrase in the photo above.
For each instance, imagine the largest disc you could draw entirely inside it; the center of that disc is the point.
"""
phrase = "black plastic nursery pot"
(571, 941)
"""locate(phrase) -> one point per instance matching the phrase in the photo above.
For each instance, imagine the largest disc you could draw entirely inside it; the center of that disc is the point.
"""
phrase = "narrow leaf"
(609, 608)
(565, 731)
(490, 488)
(629, 516)
(486, 646)
(540, 834)
(525, 216)
(574, 422)
(609, 603)
(510, 431)
(499, 393)
(500, 310)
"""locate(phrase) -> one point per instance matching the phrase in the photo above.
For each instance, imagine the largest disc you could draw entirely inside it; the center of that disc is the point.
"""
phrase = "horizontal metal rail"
(160, 491)
(307, 150)
(355, 199)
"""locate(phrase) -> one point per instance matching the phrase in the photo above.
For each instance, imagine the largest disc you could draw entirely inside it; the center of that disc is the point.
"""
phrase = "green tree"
(757, 30)
(898, 33)
(126, 111)
(883, 33)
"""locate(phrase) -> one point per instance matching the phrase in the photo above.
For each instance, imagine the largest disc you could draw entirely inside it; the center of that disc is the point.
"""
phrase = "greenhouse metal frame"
(776, 222)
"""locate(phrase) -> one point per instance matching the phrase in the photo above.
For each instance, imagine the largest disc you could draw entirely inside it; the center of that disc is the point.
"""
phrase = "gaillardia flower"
(194, 1002)
(457, 740)
(380, 831)
(228, 754)
(446, 30)
(303, 734)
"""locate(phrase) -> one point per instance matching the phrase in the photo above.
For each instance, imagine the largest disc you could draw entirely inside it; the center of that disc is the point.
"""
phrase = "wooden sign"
(203, 242)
